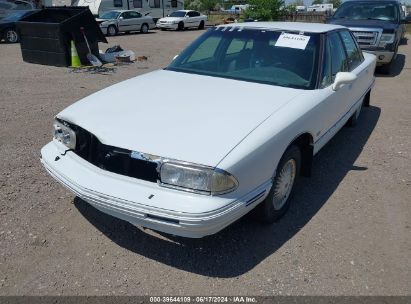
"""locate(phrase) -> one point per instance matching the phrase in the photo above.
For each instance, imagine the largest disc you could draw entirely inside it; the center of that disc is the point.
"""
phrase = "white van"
(155, 8)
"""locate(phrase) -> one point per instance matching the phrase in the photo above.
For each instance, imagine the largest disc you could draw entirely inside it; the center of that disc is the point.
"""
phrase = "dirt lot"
(347, 233)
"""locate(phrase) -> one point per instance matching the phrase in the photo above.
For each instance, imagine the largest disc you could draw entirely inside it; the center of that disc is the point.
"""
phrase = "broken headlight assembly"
(64, 134)
(196, 178)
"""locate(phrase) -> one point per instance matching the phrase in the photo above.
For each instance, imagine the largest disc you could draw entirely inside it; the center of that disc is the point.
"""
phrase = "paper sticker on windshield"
(292, 41)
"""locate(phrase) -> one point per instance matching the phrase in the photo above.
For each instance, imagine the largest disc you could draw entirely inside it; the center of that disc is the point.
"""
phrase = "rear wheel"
(144, 28)
(278, 200)
(11, 35)
(112, 30)
(201, 26)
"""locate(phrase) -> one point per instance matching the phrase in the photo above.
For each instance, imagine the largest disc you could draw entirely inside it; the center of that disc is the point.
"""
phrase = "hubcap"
(145, 30)
(284, 184)
(112, 30)
(11, 36)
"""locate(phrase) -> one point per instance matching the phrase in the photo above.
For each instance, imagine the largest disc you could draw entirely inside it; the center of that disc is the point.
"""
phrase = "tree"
(265, 10)
(335, 3)
(317, 2)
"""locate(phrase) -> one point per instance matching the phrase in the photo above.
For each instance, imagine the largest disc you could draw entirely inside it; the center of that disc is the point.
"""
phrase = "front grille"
(112, 159)
(365, 38)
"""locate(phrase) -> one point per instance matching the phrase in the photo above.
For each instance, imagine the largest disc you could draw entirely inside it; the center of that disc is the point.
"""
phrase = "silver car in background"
(113, 22)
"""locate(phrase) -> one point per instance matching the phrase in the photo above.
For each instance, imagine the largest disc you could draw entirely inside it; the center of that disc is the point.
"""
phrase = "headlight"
(387, 38)
(195, 178)
(64, 134)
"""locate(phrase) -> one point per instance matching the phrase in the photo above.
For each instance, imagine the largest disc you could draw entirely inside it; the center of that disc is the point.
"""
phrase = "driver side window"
(335, 59)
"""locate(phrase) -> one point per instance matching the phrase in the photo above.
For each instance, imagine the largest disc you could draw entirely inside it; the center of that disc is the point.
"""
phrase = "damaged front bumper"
(147, 204)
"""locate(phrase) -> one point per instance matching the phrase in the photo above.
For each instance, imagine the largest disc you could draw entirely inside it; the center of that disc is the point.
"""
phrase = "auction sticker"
(292, 41)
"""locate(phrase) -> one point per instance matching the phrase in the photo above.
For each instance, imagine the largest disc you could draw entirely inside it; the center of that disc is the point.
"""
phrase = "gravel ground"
(347, 233)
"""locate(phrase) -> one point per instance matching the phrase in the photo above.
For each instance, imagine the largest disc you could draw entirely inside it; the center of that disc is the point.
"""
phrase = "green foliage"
(336, 3)
(317, 2)
(265, 10)
(201, 5)
(208, 5)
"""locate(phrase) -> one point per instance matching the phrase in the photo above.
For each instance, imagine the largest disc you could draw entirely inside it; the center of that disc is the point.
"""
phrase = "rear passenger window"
(354, 54)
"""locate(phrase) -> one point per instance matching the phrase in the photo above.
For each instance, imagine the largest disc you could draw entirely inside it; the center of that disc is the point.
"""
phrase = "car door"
(126, 22)
(330, 112)
(356, 66)
(190, 20)
(135, 21)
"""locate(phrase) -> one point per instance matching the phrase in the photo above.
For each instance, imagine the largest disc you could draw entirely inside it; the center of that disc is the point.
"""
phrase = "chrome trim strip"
(255, 198)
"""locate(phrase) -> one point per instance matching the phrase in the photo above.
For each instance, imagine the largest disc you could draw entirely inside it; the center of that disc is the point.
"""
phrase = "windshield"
(178, 14)
(15, 16)
(110, 15)
(385, 11)
(264, 56)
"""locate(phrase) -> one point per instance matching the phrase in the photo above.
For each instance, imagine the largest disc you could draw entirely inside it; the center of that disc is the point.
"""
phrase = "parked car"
(378, 26)
(180, 20)
(113, 22)
(8, 30)
(8, 7)
(259, 101)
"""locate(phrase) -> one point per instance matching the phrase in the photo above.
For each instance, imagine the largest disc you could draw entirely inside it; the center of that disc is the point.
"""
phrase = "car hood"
(365, 23)
(104, 20)
(176, 115)
(171, 19)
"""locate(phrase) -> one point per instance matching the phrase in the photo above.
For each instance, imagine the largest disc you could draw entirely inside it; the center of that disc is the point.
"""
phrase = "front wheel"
(277, 201)
(201, 26)
(112, 30)
(11, 36)
(180, 26)
(144, 28)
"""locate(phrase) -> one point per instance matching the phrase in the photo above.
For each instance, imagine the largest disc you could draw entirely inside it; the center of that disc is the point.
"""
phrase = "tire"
(112, 30)
(11, 35)
(162, 29)
(180, 26)
(274, 206)
(385, 69)
(144, 28)
(201, 26)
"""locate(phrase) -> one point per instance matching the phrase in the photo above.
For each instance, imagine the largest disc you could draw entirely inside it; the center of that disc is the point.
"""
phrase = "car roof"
(288, 26)
(186, 11)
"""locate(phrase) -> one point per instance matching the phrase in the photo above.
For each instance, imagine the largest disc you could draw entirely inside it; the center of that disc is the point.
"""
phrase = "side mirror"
(343, 78)
(121, 18)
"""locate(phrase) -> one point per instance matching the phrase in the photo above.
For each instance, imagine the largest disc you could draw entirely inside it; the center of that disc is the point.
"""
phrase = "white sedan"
(113, 22)
(264, 99)
(180, 20)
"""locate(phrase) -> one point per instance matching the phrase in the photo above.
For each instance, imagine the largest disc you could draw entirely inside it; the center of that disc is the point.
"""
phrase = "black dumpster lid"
(69, 19)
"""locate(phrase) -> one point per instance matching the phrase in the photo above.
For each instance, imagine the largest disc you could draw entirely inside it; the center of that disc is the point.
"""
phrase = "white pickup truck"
(259, 101)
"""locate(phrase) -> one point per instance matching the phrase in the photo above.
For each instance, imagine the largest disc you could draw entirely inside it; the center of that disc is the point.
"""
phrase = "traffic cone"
(75, 59)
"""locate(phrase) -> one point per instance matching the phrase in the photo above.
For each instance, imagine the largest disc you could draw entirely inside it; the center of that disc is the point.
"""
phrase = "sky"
(308, 2)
